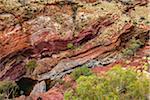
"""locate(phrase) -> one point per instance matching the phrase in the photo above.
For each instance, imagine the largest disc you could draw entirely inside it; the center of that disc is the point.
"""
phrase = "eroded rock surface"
(62, 35)
(39, 88)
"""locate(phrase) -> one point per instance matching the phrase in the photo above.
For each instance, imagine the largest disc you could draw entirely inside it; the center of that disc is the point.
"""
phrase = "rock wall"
(63, 35)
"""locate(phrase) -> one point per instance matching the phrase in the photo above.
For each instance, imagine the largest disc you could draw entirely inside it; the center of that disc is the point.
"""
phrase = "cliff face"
(62, 35)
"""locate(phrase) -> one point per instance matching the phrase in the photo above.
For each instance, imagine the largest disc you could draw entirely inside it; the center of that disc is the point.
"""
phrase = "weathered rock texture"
(63, 35)
(39, 88)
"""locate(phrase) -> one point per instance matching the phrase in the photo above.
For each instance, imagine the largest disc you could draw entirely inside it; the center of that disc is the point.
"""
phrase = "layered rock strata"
(63, 35)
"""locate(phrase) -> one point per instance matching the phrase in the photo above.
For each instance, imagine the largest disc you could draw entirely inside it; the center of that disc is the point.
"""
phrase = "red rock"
(52, 94)
(42, 37)
(142, 2)
(100, 69)
(14, 73)
(12, 43)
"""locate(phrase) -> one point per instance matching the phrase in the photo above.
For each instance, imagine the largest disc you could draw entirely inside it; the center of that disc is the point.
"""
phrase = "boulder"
(39, 88)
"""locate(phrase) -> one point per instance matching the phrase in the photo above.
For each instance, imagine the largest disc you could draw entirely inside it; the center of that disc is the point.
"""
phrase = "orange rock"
(12, 43)
(52, 94)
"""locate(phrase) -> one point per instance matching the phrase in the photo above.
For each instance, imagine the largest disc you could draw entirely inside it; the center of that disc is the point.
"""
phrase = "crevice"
(26, 85)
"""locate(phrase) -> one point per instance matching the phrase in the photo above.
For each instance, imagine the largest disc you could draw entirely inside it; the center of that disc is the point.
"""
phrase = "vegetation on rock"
(132, 47)
(31, 65)
(116, 84)
(70, 46)
(7, 89)
(84, 71)
(47, 39)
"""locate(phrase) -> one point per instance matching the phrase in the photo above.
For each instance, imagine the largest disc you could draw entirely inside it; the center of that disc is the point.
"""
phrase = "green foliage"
(135, 44)
(127, 52)
(2, 96)
(31, 65)
(116, 84)
(80, 71)
(60, 81)
(70, 46)
(50, 83)
(67, 85)
(8, 88)
(132, 47)
(69, 95)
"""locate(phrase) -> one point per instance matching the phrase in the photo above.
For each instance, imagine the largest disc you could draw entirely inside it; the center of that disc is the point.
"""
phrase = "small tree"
(83, 70)
(31, 65)
(7, 89)
(132, 47)
(70, 46)
(116, 84)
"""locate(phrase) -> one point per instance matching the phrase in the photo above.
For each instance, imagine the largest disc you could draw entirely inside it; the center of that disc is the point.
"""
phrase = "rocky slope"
(61, 35)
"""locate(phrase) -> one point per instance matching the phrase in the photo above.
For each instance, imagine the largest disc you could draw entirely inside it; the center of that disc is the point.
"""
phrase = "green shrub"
(67, 85)
(31, 65)
(2, 97)
(7, 89)
(83, 70)
(127, 52)
(116, 84)
(133, 45)
(60, 81)
(70, 46)
(69, 95)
